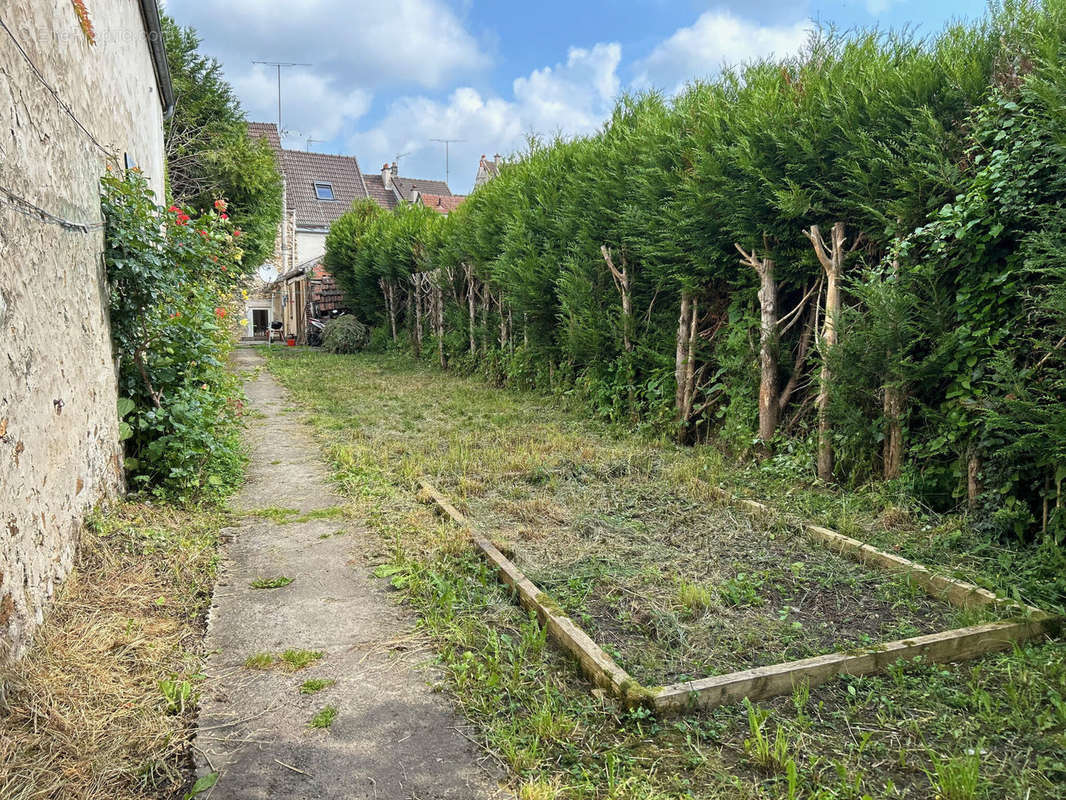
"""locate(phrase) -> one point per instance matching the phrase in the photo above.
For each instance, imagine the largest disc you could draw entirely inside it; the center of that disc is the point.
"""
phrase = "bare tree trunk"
(681, 359)
(768, 399)
(503, 322)
(470, 306)
(486, 298)
(797, 365)
(892, 455)
(973, 483)
(621, 282)
(832, 261)
(389, 291)
(439, 292)
(416, 338)
(893, 449)
(690, 363)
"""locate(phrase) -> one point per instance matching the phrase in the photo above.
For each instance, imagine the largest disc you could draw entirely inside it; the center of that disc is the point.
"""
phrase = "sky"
(387, 78)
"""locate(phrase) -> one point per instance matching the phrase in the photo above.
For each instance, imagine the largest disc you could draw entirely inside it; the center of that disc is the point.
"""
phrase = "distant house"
(442, 204)
(319, 188)
(487, 170)
(390, 189)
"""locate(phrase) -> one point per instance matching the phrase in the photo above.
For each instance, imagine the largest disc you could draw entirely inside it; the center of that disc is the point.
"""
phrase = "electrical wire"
(40, 77)
(24, 206)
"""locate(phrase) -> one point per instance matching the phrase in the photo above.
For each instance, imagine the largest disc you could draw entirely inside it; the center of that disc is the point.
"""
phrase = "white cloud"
(570, 98)
(356, 49)
(366, 41)
(718, 38)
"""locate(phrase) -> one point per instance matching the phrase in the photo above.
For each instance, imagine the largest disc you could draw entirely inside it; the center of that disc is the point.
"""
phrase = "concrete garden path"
(392, 737)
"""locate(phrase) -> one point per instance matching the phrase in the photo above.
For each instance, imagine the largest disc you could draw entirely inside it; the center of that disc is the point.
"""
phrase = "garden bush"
(173, 279)
(345, 335)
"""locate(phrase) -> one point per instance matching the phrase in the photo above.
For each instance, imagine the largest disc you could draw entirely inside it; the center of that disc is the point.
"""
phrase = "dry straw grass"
(83, 715)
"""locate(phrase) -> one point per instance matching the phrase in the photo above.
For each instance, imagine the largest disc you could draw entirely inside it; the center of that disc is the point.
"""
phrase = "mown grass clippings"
(324, 717)
(102, 707)
(313, 685)
(880, 736)
(271, 583)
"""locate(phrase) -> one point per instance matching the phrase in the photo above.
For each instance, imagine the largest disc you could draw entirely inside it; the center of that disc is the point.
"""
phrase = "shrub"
(172, 277)
(345, 335)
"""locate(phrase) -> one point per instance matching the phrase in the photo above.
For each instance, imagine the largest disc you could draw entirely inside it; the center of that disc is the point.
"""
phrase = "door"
(260, 323)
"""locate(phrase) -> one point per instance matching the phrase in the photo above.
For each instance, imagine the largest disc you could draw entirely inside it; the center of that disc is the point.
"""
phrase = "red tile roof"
(442, 204)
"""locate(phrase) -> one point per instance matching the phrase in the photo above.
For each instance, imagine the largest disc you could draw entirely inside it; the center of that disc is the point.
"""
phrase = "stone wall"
(59, 449)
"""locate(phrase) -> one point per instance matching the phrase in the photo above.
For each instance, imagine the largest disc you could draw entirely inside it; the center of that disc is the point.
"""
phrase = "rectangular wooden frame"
(769, 681)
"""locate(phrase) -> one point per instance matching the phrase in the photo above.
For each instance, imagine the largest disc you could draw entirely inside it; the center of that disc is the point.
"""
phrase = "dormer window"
(324, 191)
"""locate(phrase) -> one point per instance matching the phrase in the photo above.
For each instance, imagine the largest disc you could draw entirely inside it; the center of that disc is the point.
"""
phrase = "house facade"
(319, 188)
(82, 94)
(487, 170)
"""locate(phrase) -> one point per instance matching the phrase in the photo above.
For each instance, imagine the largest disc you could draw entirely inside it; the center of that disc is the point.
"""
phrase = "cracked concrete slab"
(393, 736)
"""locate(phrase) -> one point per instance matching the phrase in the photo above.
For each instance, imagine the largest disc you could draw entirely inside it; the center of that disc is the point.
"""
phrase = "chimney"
(412, 195)
(386, 175)
(394, 169)
(496, 159)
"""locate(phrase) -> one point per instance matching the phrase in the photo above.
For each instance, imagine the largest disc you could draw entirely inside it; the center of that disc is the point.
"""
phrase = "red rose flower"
(236, 232)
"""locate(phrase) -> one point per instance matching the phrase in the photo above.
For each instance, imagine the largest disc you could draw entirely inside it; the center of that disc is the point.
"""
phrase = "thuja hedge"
(172, 276)
(849, 261)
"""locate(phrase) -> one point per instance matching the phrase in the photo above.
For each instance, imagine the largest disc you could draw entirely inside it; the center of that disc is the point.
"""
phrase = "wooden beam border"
(763, 682)
(951, 590)
(595, 663)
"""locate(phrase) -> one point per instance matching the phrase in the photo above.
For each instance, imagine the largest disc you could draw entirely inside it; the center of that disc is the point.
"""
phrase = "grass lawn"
(102, 707)
(618, 529)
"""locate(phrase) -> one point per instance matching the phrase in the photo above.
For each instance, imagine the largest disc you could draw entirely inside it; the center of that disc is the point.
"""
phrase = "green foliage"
(943, 157)
(324, 717)
(172, 277)
(209, 152)
(271, 583)
(313, 685)
(345, 335)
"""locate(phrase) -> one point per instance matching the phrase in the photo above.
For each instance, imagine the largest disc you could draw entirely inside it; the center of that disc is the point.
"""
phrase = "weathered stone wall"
(59, 449)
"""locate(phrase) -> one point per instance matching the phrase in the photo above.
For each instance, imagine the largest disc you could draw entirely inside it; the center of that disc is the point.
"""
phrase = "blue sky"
(386, 78)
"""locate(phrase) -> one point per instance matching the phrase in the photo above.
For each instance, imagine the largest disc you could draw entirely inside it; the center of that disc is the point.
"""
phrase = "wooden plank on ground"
(778, 679)
(951, 590)
(595, 663)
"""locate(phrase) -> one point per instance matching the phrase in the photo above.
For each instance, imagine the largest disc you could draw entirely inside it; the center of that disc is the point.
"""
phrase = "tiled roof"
(442, 204)
(268, 131)
(405, 185)
(378, 193)
(302, 170)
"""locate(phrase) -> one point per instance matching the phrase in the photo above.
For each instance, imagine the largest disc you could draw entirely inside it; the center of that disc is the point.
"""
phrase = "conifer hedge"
(857, 251)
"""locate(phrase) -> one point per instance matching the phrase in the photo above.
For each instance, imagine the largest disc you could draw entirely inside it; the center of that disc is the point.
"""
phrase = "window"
(324, 191)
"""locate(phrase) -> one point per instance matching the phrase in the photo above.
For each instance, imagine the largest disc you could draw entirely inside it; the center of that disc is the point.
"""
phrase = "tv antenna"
(447, 143)
(311, 141)
(401, 155)
(278, 65)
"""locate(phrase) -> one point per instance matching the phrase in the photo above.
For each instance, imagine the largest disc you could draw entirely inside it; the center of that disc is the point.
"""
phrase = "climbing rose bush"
(173, 275)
